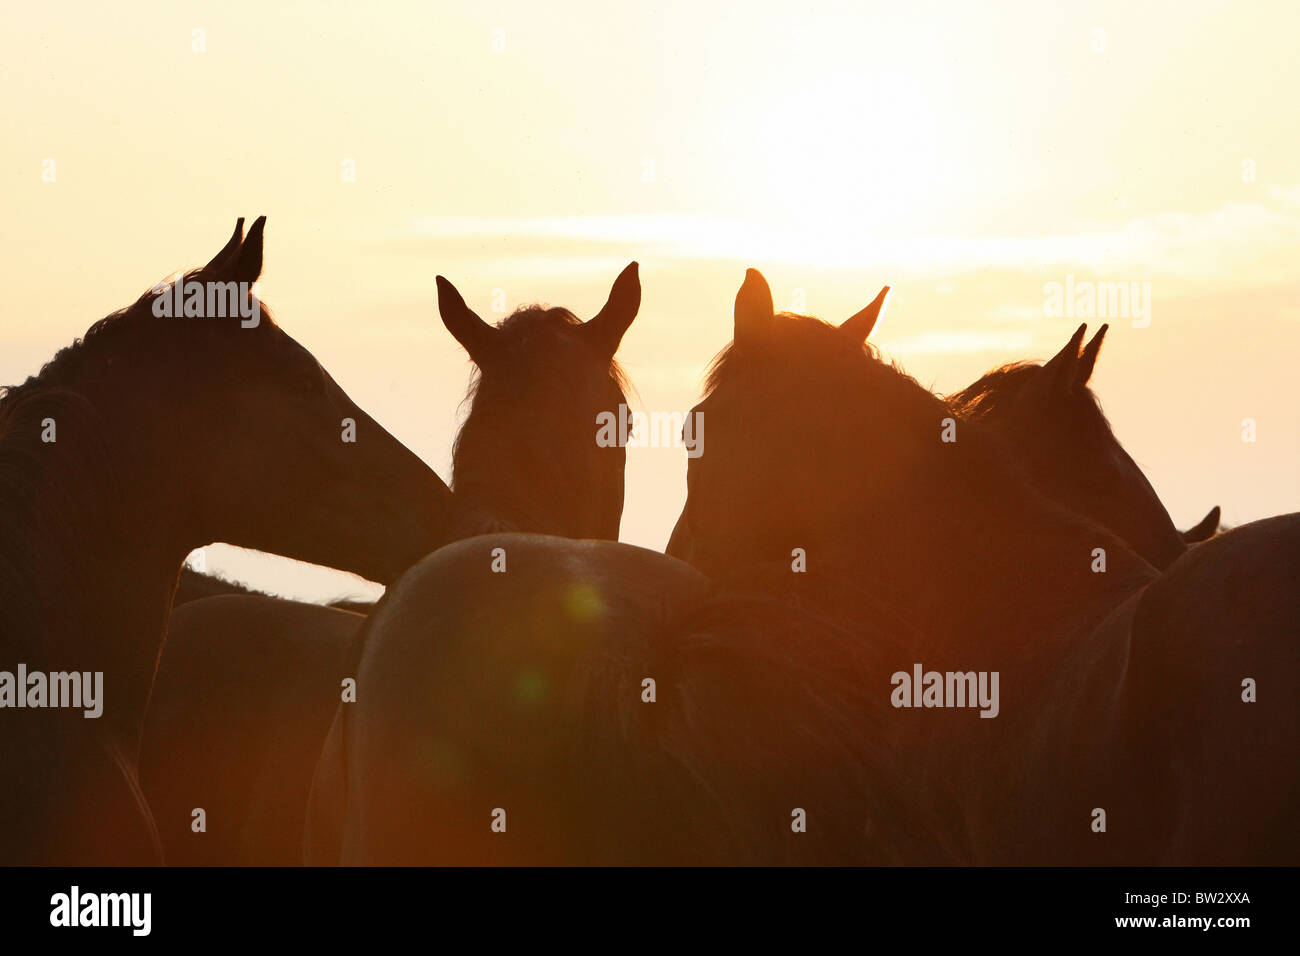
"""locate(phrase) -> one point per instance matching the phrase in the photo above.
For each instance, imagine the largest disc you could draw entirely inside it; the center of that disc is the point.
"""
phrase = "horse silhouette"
(257, 680)
(152, 436)
(520, 699)
(1204, 529)
(524, 688)
(1058, 430)
(1056, 427)
(1053, 427)
(507, 717)
(525, 456)
(1124, 688)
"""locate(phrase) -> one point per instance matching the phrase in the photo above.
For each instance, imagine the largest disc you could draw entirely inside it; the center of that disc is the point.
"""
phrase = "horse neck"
(828, 587)
(964, 564)
(492, 499)
(100, 552)
(494, 494)
(1006, 569)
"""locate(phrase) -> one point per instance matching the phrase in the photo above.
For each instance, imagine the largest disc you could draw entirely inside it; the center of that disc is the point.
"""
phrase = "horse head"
(267, 447)
(1059, 434)
(527, 457)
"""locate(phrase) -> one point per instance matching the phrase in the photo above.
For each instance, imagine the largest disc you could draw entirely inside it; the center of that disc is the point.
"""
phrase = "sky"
(969, 156)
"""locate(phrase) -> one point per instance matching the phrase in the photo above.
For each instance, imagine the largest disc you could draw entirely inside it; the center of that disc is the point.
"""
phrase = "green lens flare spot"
(584, 603)
(440, 764)
(530, 686)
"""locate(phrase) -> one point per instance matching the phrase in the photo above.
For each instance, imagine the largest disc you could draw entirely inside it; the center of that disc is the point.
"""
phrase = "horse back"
(590, 702)
(1213, 698)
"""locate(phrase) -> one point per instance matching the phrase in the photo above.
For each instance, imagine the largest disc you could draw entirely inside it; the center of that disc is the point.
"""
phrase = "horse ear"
(477, 337)
(755, 315)
(1059, 373)
(1206, 528)
(225, 258)
(1088, 360)
(858, 327)
(605, 330)
(248, 265)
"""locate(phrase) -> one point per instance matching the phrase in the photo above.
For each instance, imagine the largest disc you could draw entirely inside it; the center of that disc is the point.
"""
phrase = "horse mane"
(49, 490)
(802, 354)
(992, 390)
(807, 342)
(998, 387)
(70, 362)
(748, 727)
(128, 330)
(813, 348)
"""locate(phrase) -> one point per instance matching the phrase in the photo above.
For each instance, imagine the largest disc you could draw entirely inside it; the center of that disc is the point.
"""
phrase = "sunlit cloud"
(1254, 241)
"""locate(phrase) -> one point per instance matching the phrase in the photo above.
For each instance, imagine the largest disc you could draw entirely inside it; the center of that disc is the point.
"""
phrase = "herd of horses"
(530, 691)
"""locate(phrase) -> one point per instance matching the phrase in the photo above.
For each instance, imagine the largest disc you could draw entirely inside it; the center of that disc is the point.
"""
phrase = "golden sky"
(966, 154)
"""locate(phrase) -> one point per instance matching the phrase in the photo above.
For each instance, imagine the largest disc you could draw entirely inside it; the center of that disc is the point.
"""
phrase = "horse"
(472, 676)
(525, 700)
(1129, 692)
(158, 432)
(598, 703)
(1054, 423)
(258, 680)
